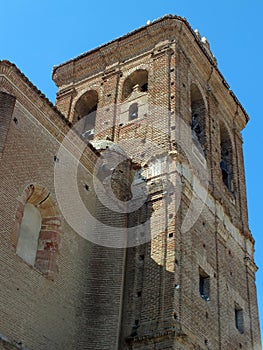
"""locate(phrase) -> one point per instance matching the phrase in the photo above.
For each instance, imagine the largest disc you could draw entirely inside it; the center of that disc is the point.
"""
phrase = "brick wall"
(146, 296)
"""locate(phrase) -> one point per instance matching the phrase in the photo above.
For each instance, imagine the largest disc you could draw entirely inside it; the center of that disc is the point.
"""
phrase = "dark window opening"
(226, 162)
(204, 285)
(198, 117)
(196, 128)
(239, 319)
(225, 174)
(133, 111)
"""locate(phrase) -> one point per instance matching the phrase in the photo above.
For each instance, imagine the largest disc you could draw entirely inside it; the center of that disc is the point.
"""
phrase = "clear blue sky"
(36, 35)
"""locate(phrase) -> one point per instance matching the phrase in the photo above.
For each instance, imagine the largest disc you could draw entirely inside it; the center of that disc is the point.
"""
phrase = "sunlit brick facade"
(151, 113)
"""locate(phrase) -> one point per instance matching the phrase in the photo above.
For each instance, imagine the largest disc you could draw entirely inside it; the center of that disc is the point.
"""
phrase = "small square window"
(239, 319)
(204, 285)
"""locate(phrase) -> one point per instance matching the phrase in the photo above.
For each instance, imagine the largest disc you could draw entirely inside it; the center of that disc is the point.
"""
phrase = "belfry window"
(140, 78)
(197, 116)
(85, 115)
(133, 111)
(226, 161)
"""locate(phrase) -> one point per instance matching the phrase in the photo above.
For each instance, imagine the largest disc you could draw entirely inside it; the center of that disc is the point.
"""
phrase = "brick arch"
(50, 232)
(137, 77)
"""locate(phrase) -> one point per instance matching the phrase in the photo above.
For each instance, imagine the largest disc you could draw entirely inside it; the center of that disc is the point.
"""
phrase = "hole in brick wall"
(184, 85)
(171, 235)
(206, 342)
(231, 273)
(139, 294)
(108, 95)
(206, 314)
(172, 97)
(203, 223)
(240, 346)
(204, 245)
(176, 261)
(172, 70)
(15, 120)
(86, 187)
(101, 83)
(172, 83)
(175, 316)
(141, 257)
(56, 159)
(214, 275)
(229, 252)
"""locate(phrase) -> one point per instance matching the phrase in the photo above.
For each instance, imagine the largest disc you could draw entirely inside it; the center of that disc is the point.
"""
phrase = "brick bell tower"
(189, 272)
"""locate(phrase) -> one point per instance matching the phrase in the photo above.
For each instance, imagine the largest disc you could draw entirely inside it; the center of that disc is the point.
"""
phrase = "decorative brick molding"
(50, 232)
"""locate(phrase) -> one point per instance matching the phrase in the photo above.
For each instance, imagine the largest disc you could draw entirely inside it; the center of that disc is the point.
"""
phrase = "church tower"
(188, 272)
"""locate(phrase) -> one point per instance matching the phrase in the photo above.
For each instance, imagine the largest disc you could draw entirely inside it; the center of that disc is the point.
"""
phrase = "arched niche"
(37, 232)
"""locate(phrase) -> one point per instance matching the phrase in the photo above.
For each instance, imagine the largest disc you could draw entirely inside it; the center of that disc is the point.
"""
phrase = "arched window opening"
(29, 234)
(197, 116)
(140, 78)
(85, 114)
(226, 162)
(37, 232)
(133, 111)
